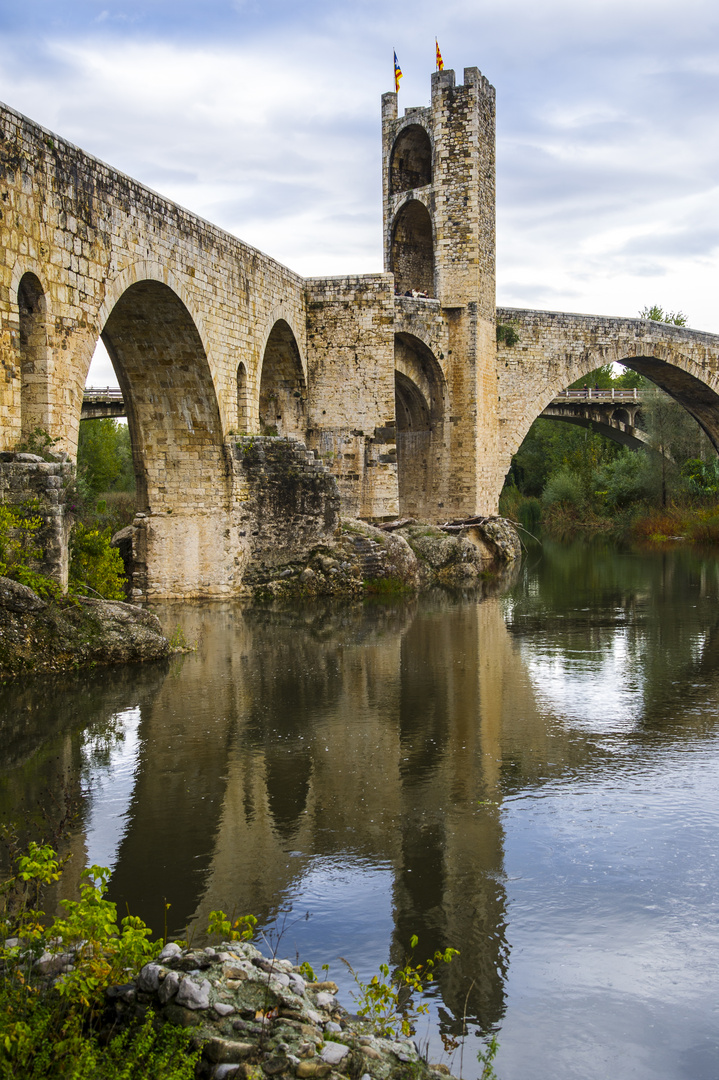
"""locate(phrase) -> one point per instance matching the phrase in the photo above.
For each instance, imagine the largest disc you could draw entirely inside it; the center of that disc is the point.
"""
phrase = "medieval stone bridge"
(394, 380)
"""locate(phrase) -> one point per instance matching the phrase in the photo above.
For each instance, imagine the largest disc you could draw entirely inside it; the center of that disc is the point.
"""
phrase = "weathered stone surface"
(50, 637)
(333, 1052)
(20, 598)
(194, 995)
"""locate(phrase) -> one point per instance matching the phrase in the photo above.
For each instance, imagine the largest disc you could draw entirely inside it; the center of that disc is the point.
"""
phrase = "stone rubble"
(257, 1017)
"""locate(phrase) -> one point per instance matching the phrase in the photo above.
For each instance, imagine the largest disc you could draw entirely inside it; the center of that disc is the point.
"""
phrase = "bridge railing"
(600, 395)
(100, 394)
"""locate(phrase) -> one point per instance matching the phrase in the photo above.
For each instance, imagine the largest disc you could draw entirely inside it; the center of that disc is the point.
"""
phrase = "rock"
(169, 986)
(223, 1050)
(274, 1065)
(281, 1045)
(17, 597)
(149, 978)
(36, 636)
(170, 950)
(333, 1052)
(313, 1068)
(223, 1009)
(194, 995)
(29, 459)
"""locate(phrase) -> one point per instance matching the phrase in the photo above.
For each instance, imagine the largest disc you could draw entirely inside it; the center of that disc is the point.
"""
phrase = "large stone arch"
(412, 249)
(410, 163)
(556, 349)
(282, 402)
(183, 544)
(421, 415)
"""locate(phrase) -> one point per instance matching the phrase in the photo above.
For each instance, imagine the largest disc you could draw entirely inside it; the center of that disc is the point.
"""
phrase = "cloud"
(264, 118)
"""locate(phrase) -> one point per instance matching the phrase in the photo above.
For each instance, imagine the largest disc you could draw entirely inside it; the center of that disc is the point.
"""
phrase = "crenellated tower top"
(438, 192)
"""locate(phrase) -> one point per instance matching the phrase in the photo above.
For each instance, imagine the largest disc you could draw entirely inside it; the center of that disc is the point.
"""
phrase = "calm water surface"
(532, 777)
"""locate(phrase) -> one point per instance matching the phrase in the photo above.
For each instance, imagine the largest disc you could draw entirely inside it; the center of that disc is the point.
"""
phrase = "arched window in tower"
(412, 256)
(34, 394)
(410, 163)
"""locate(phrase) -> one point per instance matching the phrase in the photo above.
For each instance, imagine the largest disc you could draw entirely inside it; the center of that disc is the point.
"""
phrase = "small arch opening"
(34, 373)
(283, 392)
(411, 160)
(242, 411)
(412, 255)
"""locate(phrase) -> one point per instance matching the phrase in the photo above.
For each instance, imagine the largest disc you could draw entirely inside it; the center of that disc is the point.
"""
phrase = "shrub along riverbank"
(86, 996)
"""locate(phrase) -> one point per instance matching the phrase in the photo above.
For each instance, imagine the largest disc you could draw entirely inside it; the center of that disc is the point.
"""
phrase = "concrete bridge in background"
(615, 414)
(394, 380)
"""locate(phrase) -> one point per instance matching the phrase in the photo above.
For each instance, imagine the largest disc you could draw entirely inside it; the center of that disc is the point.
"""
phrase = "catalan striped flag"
(397, 74)
(440, 61)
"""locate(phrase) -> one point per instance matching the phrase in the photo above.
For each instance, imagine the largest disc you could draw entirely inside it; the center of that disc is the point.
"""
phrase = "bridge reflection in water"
(361, 763)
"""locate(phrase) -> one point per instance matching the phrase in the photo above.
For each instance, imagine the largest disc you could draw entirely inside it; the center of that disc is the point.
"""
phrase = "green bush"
(19, 548)
(624, 481)
(55, 1028)
(95, 565)
(564, 487)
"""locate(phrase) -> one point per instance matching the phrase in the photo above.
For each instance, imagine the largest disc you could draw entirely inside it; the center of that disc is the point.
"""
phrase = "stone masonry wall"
(350, 352)
(40, 487)
(287, 502)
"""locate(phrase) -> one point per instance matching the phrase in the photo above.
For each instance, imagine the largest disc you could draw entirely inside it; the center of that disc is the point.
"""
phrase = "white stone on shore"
(194, 995)
(333, 1052)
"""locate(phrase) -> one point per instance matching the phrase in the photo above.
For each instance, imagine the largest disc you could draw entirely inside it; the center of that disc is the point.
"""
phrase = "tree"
(104, 456)
(658, 314)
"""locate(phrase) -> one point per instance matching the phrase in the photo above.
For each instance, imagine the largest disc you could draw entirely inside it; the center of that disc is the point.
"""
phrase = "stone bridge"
(393, 379)
(556, 349)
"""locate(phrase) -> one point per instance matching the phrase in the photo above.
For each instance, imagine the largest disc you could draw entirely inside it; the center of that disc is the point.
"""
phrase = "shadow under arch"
(410, 163)
(420, 411)
(283, 387)
(34, 356)
(412, 249)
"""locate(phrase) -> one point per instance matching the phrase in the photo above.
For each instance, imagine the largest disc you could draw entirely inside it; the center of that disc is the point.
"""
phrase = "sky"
(264, 118)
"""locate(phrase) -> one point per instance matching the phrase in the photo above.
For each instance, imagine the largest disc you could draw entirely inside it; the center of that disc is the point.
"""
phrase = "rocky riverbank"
(404, 556)
(40, 636)
(258, 1017)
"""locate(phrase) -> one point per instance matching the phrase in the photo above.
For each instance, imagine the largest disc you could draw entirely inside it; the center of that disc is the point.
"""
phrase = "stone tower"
(439, 240)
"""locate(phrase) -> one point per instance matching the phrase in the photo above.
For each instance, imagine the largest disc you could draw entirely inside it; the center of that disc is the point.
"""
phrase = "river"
(531, 776)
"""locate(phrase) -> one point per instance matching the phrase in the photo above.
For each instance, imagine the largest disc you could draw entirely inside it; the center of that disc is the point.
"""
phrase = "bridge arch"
(556, 349)
(410, 163)
(171, 404)
(412, 249)
(282, 384)
(421, 414)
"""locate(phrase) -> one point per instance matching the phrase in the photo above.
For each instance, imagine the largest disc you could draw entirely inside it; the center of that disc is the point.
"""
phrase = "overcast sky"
(264, 118)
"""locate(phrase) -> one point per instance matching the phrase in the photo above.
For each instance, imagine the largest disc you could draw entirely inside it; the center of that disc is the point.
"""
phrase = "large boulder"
(43, 636)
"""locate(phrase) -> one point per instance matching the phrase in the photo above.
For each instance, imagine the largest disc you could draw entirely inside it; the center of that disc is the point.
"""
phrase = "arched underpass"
(420, 408)
(182, 476)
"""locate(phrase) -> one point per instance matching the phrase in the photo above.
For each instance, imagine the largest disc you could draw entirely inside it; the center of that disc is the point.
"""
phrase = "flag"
(440, 61)
(397, 74)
